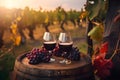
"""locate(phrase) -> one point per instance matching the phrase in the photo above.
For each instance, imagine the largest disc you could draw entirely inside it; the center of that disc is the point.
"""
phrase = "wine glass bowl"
(49, 41)
(65, 42)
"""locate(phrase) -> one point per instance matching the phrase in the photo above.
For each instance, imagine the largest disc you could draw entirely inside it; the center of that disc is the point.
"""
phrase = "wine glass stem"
(51, 59)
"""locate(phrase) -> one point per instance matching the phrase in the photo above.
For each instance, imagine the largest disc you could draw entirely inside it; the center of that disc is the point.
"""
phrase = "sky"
(45, 4)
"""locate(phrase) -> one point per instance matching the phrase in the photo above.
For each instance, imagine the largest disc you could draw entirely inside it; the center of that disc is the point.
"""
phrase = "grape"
(74, 54)
(37, 55)
(33, 61)
(46, 59)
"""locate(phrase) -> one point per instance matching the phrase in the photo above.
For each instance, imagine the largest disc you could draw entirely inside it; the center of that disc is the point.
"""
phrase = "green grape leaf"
(96, 33)
(94, 9)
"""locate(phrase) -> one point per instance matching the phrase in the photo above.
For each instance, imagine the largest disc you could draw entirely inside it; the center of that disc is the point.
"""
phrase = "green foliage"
(96, 14)
(103, 10)
(96, 8)
(96, 33)
(60, 13)
(7, 61)
(27, 18)
(73, 15)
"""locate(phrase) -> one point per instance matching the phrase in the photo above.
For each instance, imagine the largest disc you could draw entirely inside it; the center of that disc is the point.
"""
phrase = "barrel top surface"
(56, 65)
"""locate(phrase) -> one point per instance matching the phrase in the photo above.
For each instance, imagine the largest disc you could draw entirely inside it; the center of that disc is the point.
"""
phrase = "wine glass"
(49, 42)
(65, 45)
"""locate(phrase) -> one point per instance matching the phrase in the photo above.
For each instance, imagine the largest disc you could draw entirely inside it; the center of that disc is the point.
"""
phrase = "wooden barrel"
(77, 70)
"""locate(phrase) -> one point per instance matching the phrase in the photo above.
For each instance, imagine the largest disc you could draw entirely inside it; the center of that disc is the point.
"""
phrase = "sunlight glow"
(10, 4)
(45, 4)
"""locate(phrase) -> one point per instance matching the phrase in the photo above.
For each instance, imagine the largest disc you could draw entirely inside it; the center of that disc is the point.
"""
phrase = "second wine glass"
(65, 45)
(49, 42)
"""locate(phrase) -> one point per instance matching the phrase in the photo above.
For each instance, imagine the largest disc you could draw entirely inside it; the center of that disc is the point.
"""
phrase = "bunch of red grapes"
(37, 56)
(73, 54)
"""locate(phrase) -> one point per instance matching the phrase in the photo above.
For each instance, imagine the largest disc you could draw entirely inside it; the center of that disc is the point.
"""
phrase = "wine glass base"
(52, 59)
(62, 61)
(65, 61)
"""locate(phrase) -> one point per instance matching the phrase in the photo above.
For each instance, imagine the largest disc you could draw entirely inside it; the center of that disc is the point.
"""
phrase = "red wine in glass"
(50, 45)
(65, 47)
